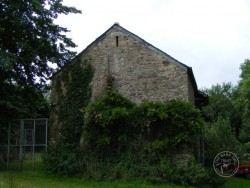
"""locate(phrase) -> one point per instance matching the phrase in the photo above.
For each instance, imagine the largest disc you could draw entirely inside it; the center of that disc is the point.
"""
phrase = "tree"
(219, 137)
(222, 105)
(29, 39)
(243, 101)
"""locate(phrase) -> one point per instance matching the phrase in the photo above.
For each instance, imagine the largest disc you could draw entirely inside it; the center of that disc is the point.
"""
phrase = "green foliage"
(165, 120)
(139, 166)
(31, 179)
(114, 124)
(19, 102)
(64, 156)
(29, 39)
(61, 160)
(78, 93)
(127, 141)
(108, 129)
(219, 137)
(221, 104)
(191, 173)
(243, 102)
(122, 140)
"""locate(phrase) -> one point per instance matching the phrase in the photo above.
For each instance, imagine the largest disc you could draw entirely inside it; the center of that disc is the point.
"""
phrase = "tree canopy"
(229, 112)
(29, 39)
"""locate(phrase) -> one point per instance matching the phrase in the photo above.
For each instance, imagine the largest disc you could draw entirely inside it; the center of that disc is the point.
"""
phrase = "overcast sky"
(211, 36)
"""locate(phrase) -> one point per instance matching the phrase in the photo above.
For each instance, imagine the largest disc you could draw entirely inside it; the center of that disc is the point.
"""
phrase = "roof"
(116, 26)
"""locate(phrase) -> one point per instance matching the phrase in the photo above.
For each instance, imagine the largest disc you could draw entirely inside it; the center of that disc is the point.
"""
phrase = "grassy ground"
(237, 183)
(37, 179)
(31, 179)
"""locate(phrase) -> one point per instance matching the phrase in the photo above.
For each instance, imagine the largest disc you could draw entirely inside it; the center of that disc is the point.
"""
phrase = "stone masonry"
(125, 63)
(138, 72)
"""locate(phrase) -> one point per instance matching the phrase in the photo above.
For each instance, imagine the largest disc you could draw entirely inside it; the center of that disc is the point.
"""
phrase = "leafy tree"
(243, 101)
(29, 39)
(222, 105)
(219, 137)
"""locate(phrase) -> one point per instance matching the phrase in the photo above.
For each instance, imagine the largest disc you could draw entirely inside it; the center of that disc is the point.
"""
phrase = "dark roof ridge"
(139, 39)
(150, 46)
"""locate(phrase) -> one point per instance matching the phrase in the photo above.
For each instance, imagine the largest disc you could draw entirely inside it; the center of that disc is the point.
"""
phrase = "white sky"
(211, 36)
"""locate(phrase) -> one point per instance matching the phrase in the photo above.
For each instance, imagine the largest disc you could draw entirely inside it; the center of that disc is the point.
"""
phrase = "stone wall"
(138, 72)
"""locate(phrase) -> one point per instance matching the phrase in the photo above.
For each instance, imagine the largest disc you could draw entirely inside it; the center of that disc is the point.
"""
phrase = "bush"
(219, 137)
(122, 140)
(62, 160)
(113, 125)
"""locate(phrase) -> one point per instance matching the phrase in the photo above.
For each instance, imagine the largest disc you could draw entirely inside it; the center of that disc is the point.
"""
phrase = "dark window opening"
(117, 41)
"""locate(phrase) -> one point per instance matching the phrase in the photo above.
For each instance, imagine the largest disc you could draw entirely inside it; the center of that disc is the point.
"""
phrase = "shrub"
(62, 160)
(121, 140)
(108, 129)
(113, 124)
(220, 137)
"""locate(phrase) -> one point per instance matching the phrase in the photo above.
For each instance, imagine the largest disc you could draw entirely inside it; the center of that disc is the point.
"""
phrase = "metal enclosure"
(24, 142)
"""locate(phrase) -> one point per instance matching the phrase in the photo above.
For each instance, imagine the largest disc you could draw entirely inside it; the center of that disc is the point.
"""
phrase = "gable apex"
(150, 46)
(117, 26)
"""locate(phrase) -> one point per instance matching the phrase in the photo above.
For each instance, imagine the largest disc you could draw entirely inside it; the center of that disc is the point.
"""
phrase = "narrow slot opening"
(117, 41)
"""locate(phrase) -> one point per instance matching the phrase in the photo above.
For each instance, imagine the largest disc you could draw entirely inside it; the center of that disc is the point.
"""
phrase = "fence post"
(8, 147)
(21, 146)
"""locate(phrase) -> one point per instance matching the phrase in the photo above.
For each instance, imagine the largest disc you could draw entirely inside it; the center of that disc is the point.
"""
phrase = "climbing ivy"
(74, 93)
(108, 129)
(121, 139)
(113, 122)
(136, 141)
(77, 95)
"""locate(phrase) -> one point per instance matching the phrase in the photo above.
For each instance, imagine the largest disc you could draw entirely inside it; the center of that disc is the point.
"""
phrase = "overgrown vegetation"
(15, 103)
(63, 156)
(122, 140)
(29, 39)
(219, 136)
(228, 110)
(114, 124)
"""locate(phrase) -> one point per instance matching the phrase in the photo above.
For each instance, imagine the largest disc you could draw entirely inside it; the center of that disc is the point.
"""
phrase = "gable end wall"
(138, 72)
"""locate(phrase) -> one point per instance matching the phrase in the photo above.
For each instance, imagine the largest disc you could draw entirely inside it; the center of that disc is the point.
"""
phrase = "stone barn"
(139, 71)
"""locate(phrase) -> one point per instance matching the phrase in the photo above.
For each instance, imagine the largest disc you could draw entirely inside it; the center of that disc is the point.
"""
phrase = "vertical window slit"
(117, 41)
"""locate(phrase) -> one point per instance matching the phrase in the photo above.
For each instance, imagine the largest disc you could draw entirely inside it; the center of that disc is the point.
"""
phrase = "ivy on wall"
(137, 141)
(73, 92)
(115, 124)
(121, 139)
(77, 95)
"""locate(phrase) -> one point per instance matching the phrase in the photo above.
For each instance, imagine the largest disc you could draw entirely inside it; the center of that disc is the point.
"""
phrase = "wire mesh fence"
(24, 142)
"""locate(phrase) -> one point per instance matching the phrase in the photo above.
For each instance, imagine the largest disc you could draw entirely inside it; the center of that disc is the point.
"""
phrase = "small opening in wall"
(117, 41)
